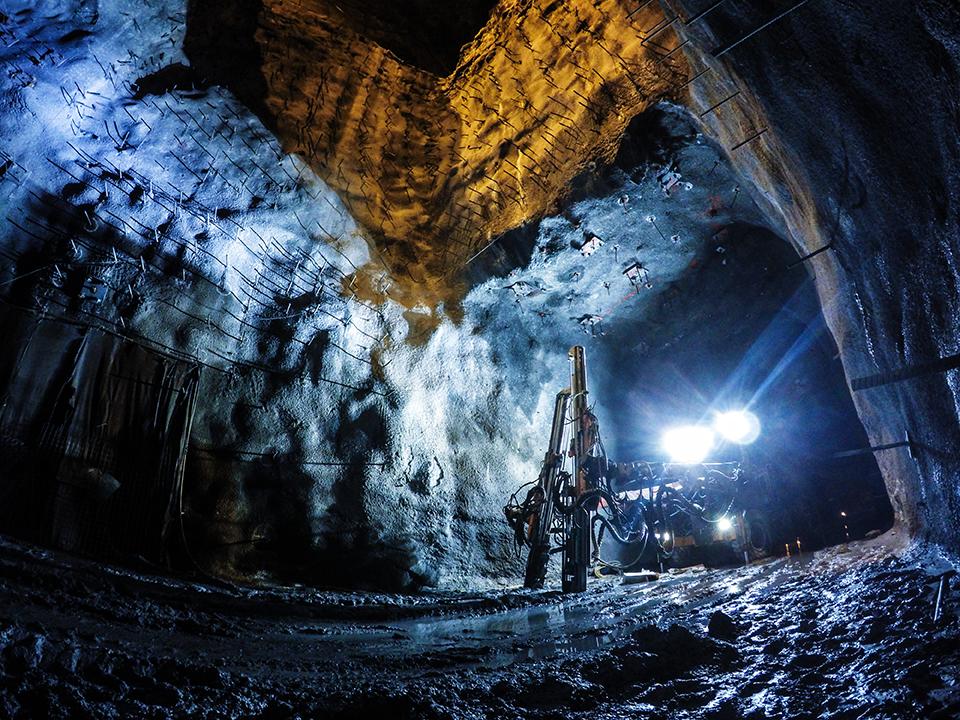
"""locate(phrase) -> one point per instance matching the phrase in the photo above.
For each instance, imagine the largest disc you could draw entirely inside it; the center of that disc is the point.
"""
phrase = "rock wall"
(859, 108)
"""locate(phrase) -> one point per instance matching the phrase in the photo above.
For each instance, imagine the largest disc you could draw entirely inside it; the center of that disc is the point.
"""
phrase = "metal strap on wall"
(93, 431)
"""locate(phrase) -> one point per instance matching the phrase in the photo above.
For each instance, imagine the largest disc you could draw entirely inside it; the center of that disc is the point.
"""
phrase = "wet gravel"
(843, 633)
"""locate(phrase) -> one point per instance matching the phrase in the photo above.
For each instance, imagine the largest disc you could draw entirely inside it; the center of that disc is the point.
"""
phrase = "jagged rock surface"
(860, 154)
(436, 167)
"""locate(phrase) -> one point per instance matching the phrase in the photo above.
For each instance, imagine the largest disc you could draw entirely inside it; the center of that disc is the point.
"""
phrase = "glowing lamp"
(688, 445)
(738, 426)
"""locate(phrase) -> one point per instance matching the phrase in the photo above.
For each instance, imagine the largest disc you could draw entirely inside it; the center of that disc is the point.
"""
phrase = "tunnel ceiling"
(435, 167)
(427, 34)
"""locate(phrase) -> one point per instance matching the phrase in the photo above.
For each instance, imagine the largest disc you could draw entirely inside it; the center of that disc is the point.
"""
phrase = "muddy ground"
(846, 632)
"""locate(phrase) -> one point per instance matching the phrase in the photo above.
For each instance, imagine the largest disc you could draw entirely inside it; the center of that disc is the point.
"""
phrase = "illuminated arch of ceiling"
(436, 167)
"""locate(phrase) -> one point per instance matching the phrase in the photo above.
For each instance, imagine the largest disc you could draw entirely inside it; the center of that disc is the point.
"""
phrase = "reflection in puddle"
(538, 632)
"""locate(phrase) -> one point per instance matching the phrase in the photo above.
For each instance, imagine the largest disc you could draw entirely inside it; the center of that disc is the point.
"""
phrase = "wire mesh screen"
(93, 434)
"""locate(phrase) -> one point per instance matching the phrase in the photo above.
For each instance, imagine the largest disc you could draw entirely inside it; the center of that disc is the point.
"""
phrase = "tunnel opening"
(297, 294)
(653, 312)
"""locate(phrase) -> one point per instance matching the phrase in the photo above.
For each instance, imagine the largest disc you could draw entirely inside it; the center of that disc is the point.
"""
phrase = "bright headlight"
(738, 426)
(724, 524)
(689, 444)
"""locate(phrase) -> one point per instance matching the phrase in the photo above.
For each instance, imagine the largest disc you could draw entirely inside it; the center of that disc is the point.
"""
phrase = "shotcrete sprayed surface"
(437, 167)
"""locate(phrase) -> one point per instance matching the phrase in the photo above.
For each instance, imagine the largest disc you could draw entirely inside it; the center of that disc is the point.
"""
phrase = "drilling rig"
(580, 497)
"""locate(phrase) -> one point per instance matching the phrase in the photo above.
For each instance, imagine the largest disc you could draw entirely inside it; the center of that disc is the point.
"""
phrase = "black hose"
(615, 532)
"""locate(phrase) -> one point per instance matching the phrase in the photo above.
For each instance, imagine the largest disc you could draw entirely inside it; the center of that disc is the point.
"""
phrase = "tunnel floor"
(845, 632)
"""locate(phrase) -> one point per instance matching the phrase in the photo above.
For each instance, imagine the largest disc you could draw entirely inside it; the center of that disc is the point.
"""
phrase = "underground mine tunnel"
(488, 359)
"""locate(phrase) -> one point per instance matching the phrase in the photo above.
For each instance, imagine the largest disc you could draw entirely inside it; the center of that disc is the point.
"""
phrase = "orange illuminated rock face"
(435, 167)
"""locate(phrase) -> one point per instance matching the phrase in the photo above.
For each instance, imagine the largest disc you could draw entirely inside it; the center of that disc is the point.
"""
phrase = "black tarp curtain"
(93, 437)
